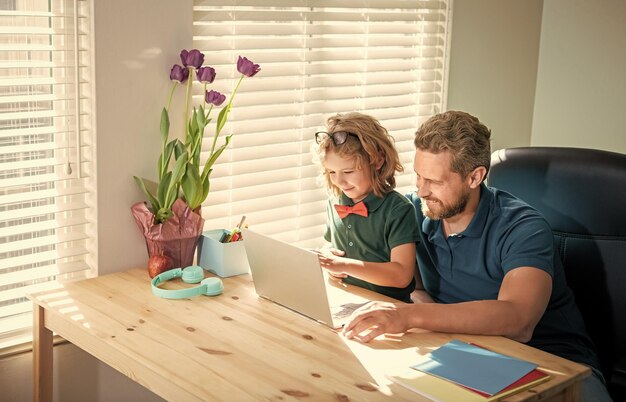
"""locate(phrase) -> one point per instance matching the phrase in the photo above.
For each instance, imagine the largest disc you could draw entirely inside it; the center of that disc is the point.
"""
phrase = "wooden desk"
(239, 347)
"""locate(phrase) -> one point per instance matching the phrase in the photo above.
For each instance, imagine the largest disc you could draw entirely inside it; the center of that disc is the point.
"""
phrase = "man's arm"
(521, 302)
(419, 295)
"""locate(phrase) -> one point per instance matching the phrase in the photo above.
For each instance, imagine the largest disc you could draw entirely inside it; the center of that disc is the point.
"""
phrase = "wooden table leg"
(573, 393)
(42, 356)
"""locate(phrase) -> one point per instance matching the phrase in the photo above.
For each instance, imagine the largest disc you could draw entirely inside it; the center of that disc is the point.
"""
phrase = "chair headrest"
(578, 190)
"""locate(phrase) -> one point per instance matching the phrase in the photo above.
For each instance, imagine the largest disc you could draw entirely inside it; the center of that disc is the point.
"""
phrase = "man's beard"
(448, 210)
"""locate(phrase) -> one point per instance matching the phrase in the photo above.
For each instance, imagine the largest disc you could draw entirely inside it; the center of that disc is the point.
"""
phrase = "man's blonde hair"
(467, 139)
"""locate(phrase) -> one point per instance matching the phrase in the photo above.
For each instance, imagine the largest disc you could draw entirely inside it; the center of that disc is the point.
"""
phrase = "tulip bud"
(179, 73)
(247, 67)
(206, 74)
(192, 58)
(214, 98)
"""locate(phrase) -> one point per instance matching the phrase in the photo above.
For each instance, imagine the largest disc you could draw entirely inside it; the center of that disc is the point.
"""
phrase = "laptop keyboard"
(345, 310)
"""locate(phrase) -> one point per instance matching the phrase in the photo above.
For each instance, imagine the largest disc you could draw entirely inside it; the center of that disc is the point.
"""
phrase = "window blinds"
(385, 58)
(46, 173)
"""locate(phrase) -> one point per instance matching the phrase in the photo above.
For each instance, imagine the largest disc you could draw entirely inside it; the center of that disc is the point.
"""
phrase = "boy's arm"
(398, 272)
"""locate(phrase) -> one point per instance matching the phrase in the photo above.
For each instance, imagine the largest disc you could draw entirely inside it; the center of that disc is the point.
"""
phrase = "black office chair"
(582, 194)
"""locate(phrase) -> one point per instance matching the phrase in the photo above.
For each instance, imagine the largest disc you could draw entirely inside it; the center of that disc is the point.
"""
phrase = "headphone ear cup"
(212, 286)
(192, 274)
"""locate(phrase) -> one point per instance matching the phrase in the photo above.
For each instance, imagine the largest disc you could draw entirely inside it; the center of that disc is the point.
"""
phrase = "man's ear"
(477, 176)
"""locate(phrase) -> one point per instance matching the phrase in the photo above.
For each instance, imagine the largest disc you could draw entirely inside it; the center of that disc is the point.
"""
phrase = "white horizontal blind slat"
(46, 212)
(42, 273)
(318, 58)
(58, 253)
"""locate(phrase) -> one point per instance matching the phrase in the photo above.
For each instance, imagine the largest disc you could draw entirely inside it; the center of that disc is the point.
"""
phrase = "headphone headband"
(192, 274)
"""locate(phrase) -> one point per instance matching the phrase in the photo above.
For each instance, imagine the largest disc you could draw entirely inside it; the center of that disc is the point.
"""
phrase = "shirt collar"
(372, 202)
(477, 225)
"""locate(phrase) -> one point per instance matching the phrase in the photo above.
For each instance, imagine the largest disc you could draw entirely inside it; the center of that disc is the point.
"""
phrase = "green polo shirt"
(390, 223)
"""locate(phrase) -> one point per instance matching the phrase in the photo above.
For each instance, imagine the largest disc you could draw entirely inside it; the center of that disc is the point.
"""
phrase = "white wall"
(137, 42)
(549, 73)
(581, 83)
(493, 65)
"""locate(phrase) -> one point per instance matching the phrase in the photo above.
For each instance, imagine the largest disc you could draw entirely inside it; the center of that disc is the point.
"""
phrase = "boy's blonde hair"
(373, 145)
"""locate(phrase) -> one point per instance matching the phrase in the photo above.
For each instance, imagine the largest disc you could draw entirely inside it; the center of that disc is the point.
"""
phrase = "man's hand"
(377, 318)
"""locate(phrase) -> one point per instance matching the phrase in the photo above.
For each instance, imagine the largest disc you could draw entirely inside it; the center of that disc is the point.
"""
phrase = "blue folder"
(475, 367)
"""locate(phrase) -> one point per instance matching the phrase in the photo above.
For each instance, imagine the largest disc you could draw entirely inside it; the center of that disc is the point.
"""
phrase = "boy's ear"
(380, 161)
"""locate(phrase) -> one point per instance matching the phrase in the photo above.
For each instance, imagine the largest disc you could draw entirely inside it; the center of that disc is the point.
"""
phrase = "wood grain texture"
(237, 346)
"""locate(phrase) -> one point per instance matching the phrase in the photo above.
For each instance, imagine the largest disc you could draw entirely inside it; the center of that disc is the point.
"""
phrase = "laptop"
(291, 276)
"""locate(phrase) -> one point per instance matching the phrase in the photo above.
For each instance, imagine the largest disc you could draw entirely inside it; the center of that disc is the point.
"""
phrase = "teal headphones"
(192, 274)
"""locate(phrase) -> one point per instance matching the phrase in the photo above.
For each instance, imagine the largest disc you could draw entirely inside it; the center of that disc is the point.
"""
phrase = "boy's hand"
(333, 251)
(337, 276)
(331, 260)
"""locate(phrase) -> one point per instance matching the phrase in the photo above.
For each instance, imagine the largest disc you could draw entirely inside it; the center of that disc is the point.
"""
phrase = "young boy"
(371, 227)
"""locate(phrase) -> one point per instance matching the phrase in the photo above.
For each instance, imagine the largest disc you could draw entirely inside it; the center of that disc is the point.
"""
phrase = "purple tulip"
(206, 74)
(214, 97)
(179, 73)
(246, 67)
(192, 58)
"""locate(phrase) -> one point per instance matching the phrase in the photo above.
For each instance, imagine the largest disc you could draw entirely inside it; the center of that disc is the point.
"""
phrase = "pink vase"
(176, 238)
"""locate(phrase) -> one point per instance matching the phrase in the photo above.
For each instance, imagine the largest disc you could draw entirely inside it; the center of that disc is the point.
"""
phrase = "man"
(486, 258)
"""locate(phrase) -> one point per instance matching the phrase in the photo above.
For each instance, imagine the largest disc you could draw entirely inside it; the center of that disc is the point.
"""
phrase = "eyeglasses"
(338, 137)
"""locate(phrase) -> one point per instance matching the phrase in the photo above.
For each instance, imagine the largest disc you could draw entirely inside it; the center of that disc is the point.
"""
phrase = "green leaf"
(177, 175)
(191, 186)
(192, 131)
(194, 149)
(206, 185)
(197, 150)
(206, 174)
(179, 149)
(162, 166)
(154, 203)
(201, 192)
(201, 121)
(209, 163)
(165, 125)
(163, 188)
(221, 119)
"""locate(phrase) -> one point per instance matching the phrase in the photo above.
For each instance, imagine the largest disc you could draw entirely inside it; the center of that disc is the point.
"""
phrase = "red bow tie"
(344, 210)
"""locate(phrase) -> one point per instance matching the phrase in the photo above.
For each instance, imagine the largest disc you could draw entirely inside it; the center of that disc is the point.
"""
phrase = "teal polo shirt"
(390, 223)
(504, 234)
